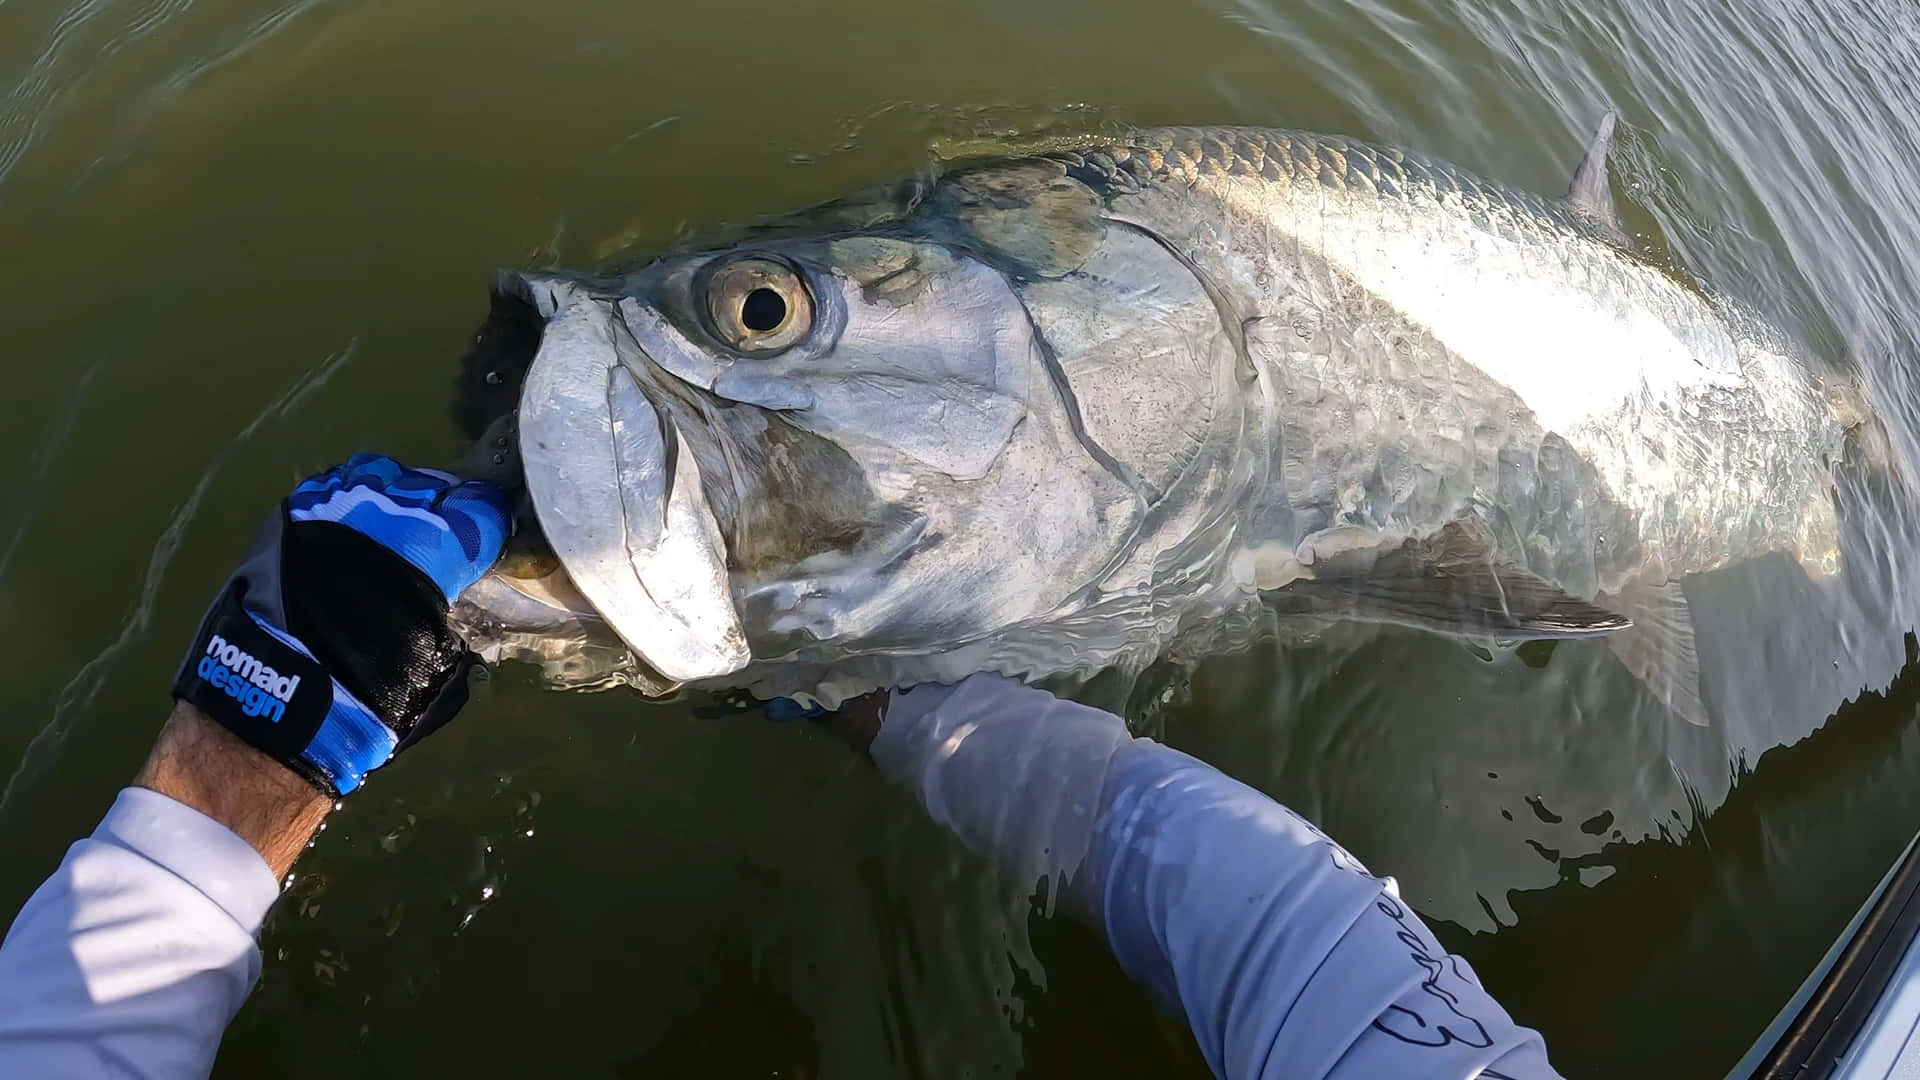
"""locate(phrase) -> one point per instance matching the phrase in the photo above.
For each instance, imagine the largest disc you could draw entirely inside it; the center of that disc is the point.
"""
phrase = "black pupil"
(762, 310)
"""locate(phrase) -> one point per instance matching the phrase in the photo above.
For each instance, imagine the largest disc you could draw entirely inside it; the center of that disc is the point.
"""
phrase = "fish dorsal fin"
(1452, 581)
(1590, 194)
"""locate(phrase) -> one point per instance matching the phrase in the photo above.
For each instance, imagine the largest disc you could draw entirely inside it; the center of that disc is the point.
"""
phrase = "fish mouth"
(620, 501)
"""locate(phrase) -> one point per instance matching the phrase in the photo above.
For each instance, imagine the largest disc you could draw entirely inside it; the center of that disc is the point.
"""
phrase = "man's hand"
(857, 721)
(330, 650)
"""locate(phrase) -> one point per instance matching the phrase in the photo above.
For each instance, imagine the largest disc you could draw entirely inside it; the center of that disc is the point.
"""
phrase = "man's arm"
(328, 652)
(134, 956)
(1284, 955)
(202, 765)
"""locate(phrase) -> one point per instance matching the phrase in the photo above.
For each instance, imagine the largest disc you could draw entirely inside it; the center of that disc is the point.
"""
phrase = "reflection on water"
(1805, 834)
(202, 202)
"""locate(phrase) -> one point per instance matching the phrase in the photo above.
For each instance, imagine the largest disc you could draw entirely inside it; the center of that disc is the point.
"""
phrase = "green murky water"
(238, 241)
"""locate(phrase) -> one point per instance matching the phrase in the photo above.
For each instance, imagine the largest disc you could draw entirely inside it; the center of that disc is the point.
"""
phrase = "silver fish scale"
(1407, 435)
(1303, 157)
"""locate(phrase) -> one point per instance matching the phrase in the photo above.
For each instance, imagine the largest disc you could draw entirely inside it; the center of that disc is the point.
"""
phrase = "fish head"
(804, 447)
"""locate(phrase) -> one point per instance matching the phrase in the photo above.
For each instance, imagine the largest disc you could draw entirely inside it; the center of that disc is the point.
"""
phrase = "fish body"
(1043, 414)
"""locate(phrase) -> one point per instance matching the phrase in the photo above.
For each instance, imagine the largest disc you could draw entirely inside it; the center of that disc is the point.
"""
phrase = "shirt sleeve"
(134, 956)
(1285, 956)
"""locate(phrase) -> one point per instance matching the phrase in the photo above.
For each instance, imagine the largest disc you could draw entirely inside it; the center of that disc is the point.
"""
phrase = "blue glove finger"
(413, 487)
(451, 531)
(480, 517)
(785, 710)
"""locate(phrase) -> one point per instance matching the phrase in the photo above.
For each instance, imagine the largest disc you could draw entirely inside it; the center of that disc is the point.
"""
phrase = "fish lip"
(596, 450)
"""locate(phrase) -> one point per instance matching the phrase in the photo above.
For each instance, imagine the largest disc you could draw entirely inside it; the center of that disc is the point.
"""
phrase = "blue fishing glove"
(856, 722)
(330, 649)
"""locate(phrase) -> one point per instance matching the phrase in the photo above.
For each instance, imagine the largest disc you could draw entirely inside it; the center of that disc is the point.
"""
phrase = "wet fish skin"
(1232, 359)
(1710, 390)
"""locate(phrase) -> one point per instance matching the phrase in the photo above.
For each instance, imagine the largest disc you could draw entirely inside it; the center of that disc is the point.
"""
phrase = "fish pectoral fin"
(1452, 581)
(1590, 193)
(1659, 650)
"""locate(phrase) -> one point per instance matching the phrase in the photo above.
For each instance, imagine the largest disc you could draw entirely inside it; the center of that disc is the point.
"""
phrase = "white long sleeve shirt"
(133, 957)
(1284, 955)
(1287, 959)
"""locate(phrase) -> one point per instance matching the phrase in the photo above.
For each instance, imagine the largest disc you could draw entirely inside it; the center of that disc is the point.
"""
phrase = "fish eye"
(759, 306)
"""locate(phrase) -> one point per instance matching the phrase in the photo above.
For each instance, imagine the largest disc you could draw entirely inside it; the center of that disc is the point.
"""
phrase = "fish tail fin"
(1816, 547)
(1659, 648)
(1847, 397)
(1865, 440)
(1862, 452)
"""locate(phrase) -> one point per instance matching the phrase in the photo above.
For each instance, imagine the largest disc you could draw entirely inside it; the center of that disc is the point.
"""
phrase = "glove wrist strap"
(266, 688)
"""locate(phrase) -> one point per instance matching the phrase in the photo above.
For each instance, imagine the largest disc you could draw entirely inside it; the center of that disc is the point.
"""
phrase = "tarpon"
(1042, 414)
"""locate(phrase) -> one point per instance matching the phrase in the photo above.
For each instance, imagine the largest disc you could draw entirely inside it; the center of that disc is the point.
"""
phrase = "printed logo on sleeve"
(260, 690)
